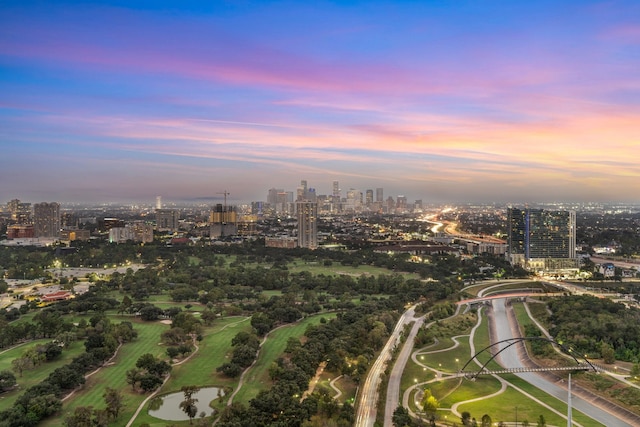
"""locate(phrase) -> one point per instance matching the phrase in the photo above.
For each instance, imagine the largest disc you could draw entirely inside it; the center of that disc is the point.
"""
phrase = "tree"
(7, 380)
(133, 377)
(149, 382)
(635, 370)
(401, 418)
(81, 417)
(188, 405)
(608, 354)
(541, 422)
(146, 361)
(486, 420)
(465, 418)
(20, 364)
(115, 403)
(430, 404)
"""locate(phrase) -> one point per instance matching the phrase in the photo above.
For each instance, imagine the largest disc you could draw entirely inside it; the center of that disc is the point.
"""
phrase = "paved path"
(510, 358)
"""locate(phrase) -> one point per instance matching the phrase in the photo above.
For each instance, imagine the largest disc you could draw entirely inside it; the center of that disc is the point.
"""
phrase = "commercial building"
(167, 219)
(20, 232)
(46, 220)
(223, 221)
(138, 231)
(542, 240)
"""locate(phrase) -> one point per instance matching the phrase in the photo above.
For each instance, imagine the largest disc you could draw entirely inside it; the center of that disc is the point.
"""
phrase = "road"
(368, 401)
(510, 359)
(393, 387)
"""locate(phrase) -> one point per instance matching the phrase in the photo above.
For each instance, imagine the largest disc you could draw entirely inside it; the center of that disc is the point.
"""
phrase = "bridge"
(473, 374)
(584, 366)
(531, 293)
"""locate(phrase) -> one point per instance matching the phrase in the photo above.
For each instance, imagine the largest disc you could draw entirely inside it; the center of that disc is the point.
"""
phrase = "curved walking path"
(335, 388)
(445, 375)
(155, 393)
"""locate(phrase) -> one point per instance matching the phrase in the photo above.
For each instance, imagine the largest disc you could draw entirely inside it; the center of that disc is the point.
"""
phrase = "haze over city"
(441, 101)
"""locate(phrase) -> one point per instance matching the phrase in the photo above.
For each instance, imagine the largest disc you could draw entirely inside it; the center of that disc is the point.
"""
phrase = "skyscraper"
(379, 195)
(336, 197)
(167, 219)
(540, 239)
(369, 198)
(307, 213)
(46, 220)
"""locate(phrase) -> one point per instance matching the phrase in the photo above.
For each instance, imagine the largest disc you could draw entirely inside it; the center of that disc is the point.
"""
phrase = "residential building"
(307, 213)
(46, 220)
(167, 220)
(542, 240)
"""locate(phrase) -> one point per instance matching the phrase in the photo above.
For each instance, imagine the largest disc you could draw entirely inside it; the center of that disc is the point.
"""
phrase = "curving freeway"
(504, 328)
(368, 401)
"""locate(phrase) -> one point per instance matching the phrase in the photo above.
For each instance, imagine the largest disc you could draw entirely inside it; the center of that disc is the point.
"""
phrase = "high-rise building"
(167, 219)
(307, 213)
(224, 221)
(379, 195)
(19, 211)
(368, 198)
(335, 197)
(158, 202)
(302, 191)
(46, 220)
(136, 231)
(541, 239)
(401, 203)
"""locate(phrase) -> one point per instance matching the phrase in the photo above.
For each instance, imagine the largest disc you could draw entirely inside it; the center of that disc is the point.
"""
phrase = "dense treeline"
(31, 263)
(44, 399)
(594, 325)
(340, 343)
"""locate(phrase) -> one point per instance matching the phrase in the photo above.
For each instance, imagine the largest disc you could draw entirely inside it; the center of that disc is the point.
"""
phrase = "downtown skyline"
(445, 102)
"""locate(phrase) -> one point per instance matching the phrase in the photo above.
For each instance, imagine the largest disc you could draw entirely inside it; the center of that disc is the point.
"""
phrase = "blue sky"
(440, 101)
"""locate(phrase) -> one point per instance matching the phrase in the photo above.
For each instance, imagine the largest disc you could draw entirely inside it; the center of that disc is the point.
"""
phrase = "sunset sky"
(445, 101)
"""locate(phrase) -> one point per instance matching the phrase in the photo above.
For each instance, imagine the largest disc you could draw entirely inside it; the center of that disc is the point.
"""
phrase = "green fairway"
(33, 376)
(114, 375)
(258, 375)
(200, 369)
(337, 269)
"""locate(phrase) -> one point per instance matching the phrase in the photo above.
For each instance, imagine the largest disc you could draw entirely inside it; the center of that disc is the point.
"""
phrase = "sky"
(444, 101)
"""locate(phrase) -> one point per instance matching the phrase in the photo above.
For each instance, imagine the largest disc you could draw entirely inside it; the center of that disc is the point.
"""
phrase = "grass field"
(337, 269)
(33, 376)
(258, 375)
(501, 407)
(200, 369)
(114, 375)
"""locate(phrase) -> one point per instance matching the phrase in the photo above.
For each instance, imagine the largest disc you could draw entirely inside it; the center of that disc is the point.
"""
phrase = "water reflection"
(167, 407)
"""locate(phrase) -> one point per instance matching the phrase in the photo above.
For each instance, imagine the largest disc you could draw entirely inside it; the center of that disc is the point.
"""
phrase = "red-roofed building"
(56, 296)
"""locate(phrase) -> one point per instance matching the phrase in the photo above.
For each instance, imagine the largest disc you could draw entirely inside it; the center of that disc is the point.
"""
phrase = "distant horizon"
(445, 102)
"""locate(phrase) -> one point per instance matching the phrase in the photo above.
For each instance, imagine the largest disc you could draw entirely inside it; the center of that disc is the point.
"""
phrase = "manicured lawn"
(413, 374)
(200, 369)
(337, 269)
(502, 408)
(446, 360)
(33, 376)
(257, 377)
(482, 386)
(114, 375)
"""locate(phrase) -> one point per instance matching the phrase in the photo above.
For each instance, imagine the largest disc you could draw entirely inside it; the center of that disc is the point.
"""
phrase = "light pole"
(516, 416)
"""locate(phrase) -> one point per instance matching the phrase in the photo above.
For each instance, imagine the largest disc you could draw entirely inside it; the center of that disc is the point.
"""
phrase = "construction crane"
(226, 193)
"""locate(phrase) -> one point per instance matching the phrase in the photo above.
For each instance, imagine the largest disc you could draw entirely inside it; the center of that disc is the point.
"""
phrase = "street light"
(516, 416)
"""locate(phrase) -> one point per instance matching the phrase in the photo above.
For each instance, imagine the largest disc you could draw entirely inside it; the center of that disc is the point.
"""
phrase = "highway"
(510, 359)
(368, 401)
(393, 386)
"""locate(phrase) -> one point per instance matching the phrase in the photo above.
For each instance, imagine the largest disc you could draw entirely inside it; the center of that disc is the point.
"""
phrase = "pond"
(167, 407)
